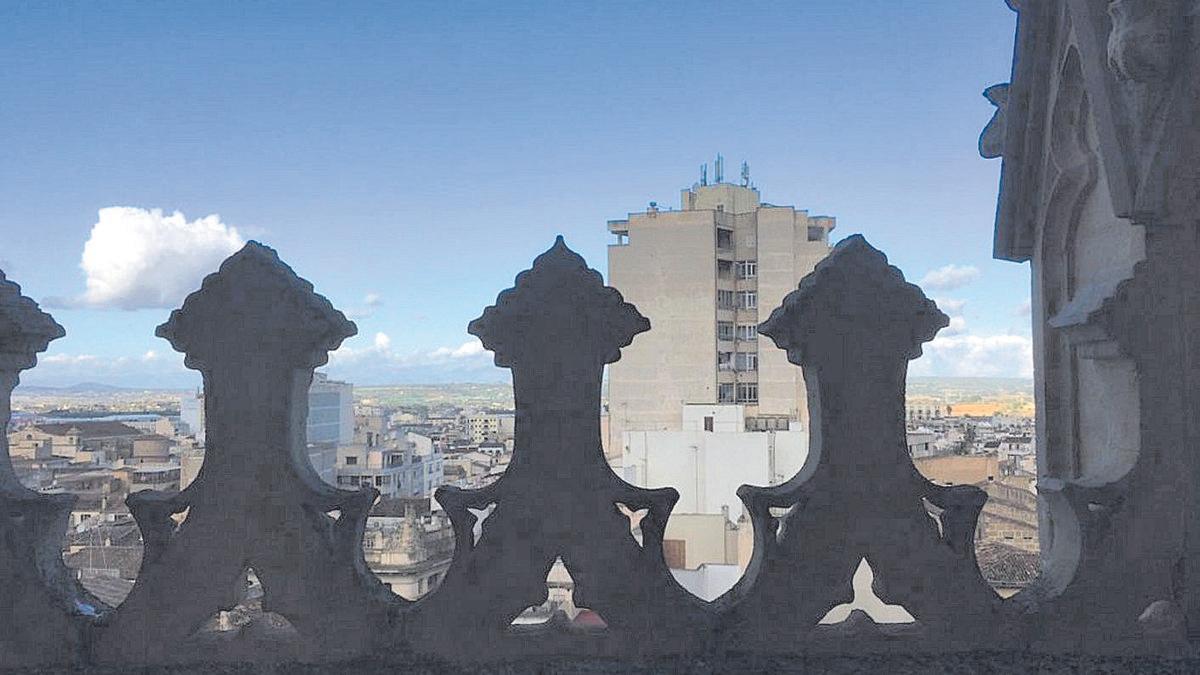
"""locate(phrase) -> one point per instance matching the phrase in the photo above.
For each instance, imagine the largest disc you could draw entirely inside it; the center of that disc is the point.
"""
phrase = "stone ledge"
(970, 662)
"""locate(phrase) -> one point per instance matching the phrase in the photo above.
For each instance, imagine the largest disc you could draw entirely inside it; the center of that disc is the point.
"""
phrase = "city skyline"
(411, 198)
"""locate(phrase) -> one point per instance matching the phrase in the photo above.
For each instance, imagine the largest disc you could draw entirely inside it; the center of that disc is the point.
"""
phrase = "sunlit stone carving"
(255, 331)
(556, 329)
(853, 325)
(991, 141)
(41, 607)
(1099, 192)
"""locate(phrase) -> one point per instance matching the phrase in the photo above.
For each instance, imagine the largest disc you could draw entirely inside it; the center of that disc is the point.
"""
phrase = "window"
(351, 460)
(747, 269)
(725, 269)
(725, 393)
(724, 238)
(726, 299)
(748, 299)
(724, 360)
(747, 392)
(747, 361)
(675, 553)
(747, 331)
(724, 330)
(708, 423)
(816, 233)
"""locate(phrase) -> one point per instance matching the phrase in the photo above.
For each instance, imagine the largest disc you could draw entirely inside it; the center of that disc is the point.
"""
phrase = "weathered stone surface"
(255, 331)
(853, 325)
(1099, 191)
(556, 329)
(991, 141)
(42, 609)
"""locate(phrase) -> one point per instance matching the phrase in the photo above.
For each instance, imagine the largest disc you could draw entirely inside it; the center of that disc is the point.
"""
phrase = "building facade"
(330, 411)
(705, 276)
(707, 465)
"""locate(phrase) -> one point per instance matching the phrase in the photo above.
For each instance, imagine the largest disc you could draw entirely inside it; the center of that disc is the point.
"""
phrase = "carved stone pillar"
(42, 609)
(853, 325)
(556, 330)
(1116, 313)
(255, 331)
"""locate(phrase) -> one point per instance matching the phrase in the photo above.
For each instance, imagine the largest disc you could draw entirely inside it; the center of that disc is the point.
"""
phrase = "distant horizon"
(410, 195)
(97, 386)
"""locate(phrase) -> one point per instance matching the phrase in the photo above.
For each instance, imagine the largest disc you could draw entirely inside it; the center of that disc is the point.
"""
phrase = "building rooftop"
(88, 429)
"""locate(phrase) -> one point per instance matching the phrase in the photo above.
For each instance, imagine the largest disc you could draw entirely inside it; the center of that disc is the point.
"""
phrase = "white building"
(484, 427)
(191, 414)
(922, 442)
(707, 466)
(408, 467)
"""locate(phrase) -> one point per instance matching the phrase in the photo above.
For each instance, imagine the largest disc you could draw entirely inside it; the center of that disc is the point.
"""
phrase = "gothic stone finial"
(25, 330)
(854, 291)
(256, 305)
(554, 290)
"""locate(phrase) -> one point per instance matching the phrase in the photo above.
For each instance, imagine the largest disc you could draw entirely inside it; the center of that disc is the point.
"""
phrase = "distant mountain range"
(85, 388)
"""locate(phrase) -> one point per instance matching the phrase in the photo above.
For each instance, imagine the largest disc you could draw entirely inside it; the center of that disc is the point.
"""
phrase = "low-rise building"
(711, 457)
(82, 440)
(410, 553)
(487, 426)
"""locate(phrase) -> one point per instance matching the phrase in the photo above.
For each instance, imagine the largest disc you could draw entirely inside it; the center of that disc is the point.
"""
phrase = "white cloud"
(976, 356)
(148, 369)
(370, 303)
(137, 258)
(949, 277)
(466, 349)
(378, 363)
(950, 306)
(958, 326)
(67, 359)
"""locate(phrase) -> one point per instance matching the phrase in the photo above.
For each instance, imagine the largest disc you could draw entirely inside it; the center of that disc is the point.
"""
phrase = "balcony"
(1119, 587)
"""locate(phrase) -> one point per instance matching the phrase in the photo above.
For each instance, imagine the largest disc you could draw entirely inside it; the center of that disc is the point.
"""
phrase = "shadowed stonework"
(255, 331)
(41, 607)
(556, 329)
(858, 507)
(853, 325)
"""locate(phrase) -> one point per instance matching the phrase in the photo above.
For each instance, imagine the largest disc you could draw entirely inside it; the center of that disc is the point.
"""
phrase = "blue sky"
(410, 158)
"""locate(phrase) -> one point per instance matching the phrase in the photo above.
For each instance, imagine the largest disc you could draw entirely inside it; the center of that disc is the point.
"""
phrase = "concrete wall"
(708, 468)
(668, 271)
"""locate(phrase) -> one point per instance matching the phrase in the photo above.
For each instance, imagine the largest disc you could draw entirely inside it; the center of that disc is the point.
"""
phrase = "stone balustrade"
(255, 331)
(1099, 190)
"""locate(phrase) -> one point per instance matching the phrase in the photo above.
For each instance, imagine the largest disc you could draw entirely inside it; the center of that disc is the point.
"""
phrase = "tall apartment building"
(705, 276)
(330, 410)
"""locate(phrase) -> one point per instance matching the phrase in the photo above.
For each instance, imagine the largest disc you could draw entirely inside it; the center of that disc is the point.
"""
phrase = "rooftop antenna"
(720, 168)
(704, 174)
(745, 174)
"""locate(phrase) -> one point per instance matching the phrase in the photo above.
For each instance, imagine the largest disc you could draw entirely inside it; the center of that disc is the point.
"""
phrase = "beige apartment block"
(706, 276)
